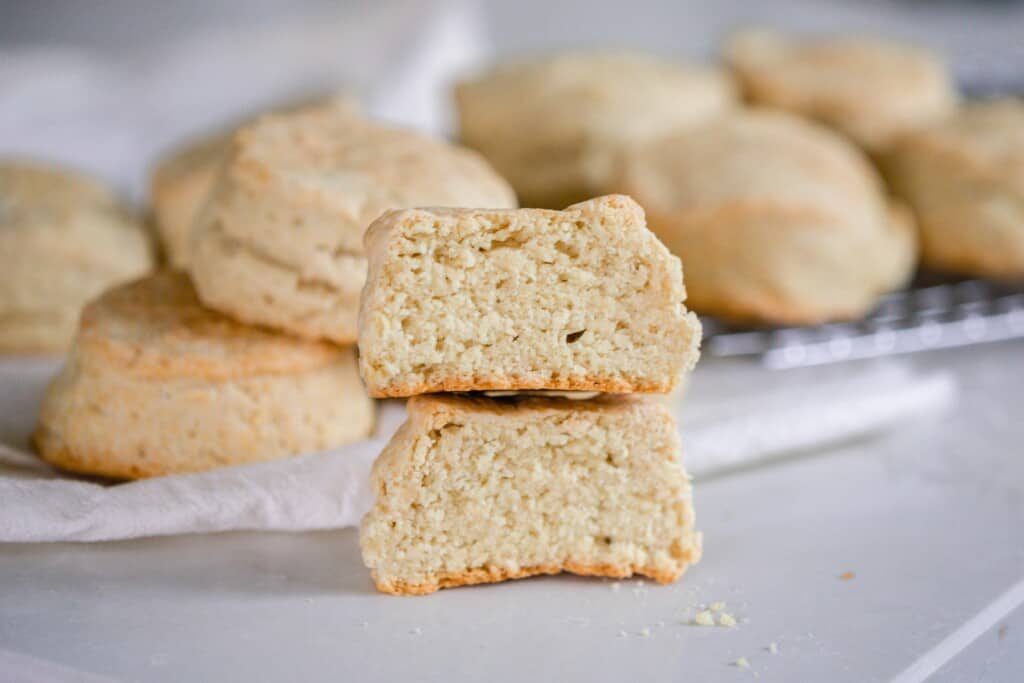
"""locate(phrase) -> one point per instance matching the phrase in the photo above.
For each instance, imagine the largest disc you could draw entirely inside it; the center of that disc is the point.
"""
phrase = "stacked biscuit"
(178, 373)
(489, 486)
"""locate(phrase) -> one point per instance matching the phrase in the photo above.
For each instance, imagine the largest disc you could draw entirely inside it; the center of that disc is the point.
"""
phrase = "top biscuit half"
(585, 299)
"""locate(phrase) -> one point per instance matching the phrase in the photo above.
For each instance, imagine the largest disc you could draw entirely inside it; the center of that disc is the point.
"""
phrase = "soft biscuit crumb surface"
(474, 490)
(581, 299)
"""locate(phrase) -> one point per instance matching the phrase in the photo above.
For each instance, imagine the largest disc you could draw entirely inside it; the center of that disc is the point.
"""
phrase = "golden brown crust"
(94, 464)
(611, 385)
(155, 327)
(481, 575)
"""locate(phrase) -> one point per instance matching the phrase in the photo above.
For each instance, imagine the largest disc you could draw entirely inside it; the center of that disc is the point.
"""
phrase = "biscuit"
(555, 126)
(156, 385)
(584, 299)
(777, 219)
(183, 180)
(180, 185)
(964, 178)
(477, 490)
(868, 89)
(281, 241)
(64, 238)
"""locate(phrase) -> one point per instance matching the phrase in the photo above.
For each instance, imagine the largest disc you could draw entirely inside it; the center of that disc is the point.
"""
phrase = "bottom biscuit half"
(480, 575)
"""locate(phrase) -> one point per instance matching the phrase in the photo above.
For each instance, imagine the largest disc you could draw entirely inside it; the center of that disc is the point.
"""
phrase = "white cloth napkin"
(734, 416)
(115, 117)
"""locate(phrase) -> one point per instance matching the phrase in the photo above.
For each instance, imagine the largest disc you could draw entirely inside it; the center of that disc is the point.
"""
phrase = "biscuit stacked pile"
(477, 488)
(250, 356)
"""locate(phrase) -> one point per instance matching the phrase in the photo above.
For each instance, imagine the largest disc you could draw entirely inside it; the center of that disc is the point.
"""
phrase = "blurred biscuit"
(777, 219)
(183, 179)
(555, 126)
(158, 385)
(64, 238)
(281, 241)
(180, 185)
(964, 178)
(868, 89)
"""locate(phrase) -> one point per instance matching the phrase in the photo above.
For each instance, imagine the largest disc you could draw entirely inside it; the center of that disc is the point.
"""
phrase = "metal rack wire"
(928, 317)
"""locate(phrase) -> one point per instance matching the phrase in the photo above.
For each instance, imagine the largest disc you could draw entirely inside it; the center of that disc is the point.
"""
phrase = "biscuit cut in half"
(964, 178)
(584, 299)
(478, 490)
(779, 220)
(156, 384)
(280, 243)
(868, 89)
(64, 238)
(554, 126)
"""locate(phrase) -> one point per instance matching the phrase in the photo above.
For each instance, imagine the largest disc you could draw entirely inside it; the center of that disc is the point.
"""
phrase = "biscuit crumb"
(846, 576)
(645, 632)
(704, 619)
(773, 648)
(616, 586)
(717, 606)
(726, 619)
(741, 663)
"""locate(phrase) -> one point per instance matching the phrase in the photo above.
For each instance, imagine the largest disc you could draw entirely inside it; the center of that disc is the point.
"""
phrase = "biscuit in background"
(777, 219)
(158, 385)
(964, 178)
(183, 179)
(869, 89)
(180, 185)
(64, 238)
(554, 126)
(280, 242)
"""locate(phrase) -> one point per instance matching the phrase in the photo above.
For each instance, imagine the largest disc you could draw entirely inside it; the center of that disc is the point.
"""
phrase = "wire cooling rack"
(926, 317)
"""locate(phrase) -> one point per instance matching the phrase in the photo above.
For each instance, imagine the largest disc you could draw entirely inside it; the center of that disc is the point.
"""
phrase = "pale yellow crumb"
(717, 606)
(773, 648)
(645, 632)
(742, 663)
(704, 619)
(726, 619)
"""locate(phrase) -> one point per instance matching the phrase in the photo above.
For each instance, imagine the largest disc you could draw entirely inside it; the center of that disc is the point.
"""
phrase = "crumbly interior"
(524, 300)
(475, 496)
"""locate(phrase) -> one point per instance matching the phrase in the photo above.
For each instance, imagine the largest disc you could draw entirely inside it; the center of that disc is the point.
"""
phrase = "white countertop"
(929, 519)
